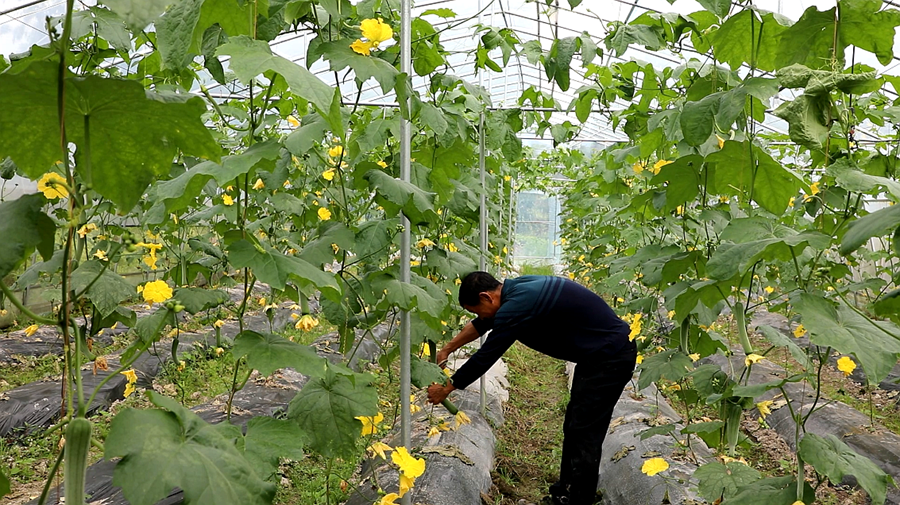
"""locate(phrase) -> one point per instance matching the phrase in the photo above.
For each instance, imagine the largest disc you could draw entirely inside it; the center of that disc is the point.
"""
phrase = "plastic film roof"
(22, 23)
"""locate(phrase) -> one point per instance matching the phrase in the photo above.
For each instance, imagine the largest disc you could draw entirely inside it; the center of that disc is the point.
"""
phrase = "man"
(565, 320)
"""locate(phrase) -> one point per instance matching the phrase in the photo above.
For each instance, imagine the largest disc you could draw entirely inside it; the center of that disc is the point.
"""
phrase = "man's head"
(479, 293)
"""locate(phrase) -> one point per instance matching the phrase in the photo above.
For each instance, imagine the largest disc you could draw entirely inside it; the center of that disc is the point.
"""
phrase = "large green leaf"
(723, 479)
(138, 13)
(697, 119)
(268, 440)
(415, 203)
(407, 296)
(164, 449)
(425, 373)
(249, 58)
(682, 179)
(374, 237)
(23, 227)
(320, 250)
(4, 484)
(771, 491)
(853, 179)
(671, 365)
(340, 56)
(876, 344)
(326, 410)
(109, 26)
(834, 459)
(865, 25)
(149, 328)
(876, 224)
(174, 32)
(740, 165)
(267, 352)
(735, 41)
(809, 41)
(274, 268)
(199, 299)
(758, 238)
(718, 7)
(107, 291)
(806, 117)
(450, 264)
(820, 82)
(129, 127)
(184, 189)
(777, 338)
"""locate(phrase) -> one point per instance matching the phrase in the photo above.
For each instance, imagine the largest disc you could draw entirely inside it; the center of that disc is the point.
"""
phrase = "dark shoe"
(555, 500)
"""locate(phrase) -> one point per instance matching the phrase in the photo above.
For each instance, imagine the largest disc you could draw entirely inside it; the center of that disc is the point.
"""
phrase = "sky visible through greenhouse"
(22, 24)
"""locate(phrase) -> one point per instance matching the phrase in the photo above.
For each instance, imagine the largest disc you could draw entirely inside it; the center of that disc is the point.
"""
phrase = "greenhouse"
(447, 252)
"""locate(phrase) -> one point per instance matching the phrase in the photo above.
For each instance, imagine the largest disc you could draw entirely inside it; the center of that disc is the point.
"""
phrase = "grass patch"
(315, 481)
(529, 444)
(30, 369)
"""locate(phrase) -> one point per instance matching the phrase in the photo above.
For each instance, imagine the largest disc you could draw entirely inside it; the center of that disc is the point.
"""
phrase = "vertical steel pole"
(405, 139)
(483, 232)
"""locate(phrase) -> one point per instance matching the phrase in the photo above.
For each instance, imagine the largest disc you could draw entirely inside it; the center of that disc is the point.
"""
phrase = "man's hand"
(442, 357)
(438, 393)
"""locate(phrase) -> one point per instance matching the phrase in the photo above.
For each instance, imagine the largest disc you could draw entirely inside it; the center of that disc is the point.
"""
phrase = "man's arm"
(468, 334)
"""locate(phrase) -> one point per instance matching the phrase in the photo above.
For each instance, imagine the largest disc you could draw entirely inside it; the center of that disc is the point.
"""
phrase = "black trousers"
(596, 387)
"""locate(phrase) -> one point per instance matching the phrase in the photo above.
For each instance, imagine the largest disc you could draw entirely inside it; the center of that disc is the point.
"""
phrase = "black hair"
(473, 284)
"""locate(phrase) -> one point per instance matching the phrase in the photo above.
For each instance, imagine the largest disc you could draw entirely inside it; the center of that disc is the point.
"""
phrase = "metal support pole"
(405, 139)
(483, 232)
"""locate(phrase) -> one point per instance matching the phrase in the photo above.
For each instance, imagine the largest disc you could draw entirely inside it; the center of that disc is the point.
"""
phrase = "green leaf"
(683, 180)
(665, 429)
(414, 202)
(779, 339)
(704, 427)
(249, 58)
(771, 491)
(625, 35)
(718, 7)
(149, 328)
(129, 127)
(821, 82)
(374, 237)
(310, 133)
(807, 117)
(268, 352)
(671, 365)
(754, 390)
(174, 33)
(835, 459)
(853, 179)
(199, 299)
(450, 264)
(433, 118)
(4, 484)
(24, 227)
(876, 224)
(723, 479)
(424, 373)
(164, 449)
(107, 291)
(138, 13)
(734, 167)
(874, 343)
(442, 12)
(268, 440)
(340, 56)
(809, 41)
(866, 26)
(735, 40)
(758, 238)
(109, 26)
(407, 296)
(697, 119)
(326, 410)
(319, 250)
(274, 268)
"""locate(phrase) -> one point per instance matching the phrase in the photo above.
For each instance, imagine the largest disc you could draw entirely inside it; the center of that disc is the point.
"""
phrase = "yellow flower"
(433, 432)
(638, 167)
(694, 357)
(219, 351)
(370, 423)
(425, 242)
(461, 419)
(406, 483)
(791, 202)
(770, 289)
(426, 349)
(764, 409)
(131, 375)
(751, 359)
(259, 184)
(814, 188)
(723, 199)
(328, 175)
(381, 164)
(410, 466)
(324, 213)
(635, 326)
(376, 30)
(846, 365)
(293, 121)
(721, 141)
(389, 499)
(363, 48)
(452, 247)
(659, 164)
(653, 466)
(336, 151)
(799, 331)
(156, 292)
(798, 502)
(679, 210)
(31, 330)
(227, 200)
(306, 323)
(129, 388)
(84, 230)
(49, 185)
(379, 448)
(101, 255)
(640, 359)
(671, 314)
(219, 323)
